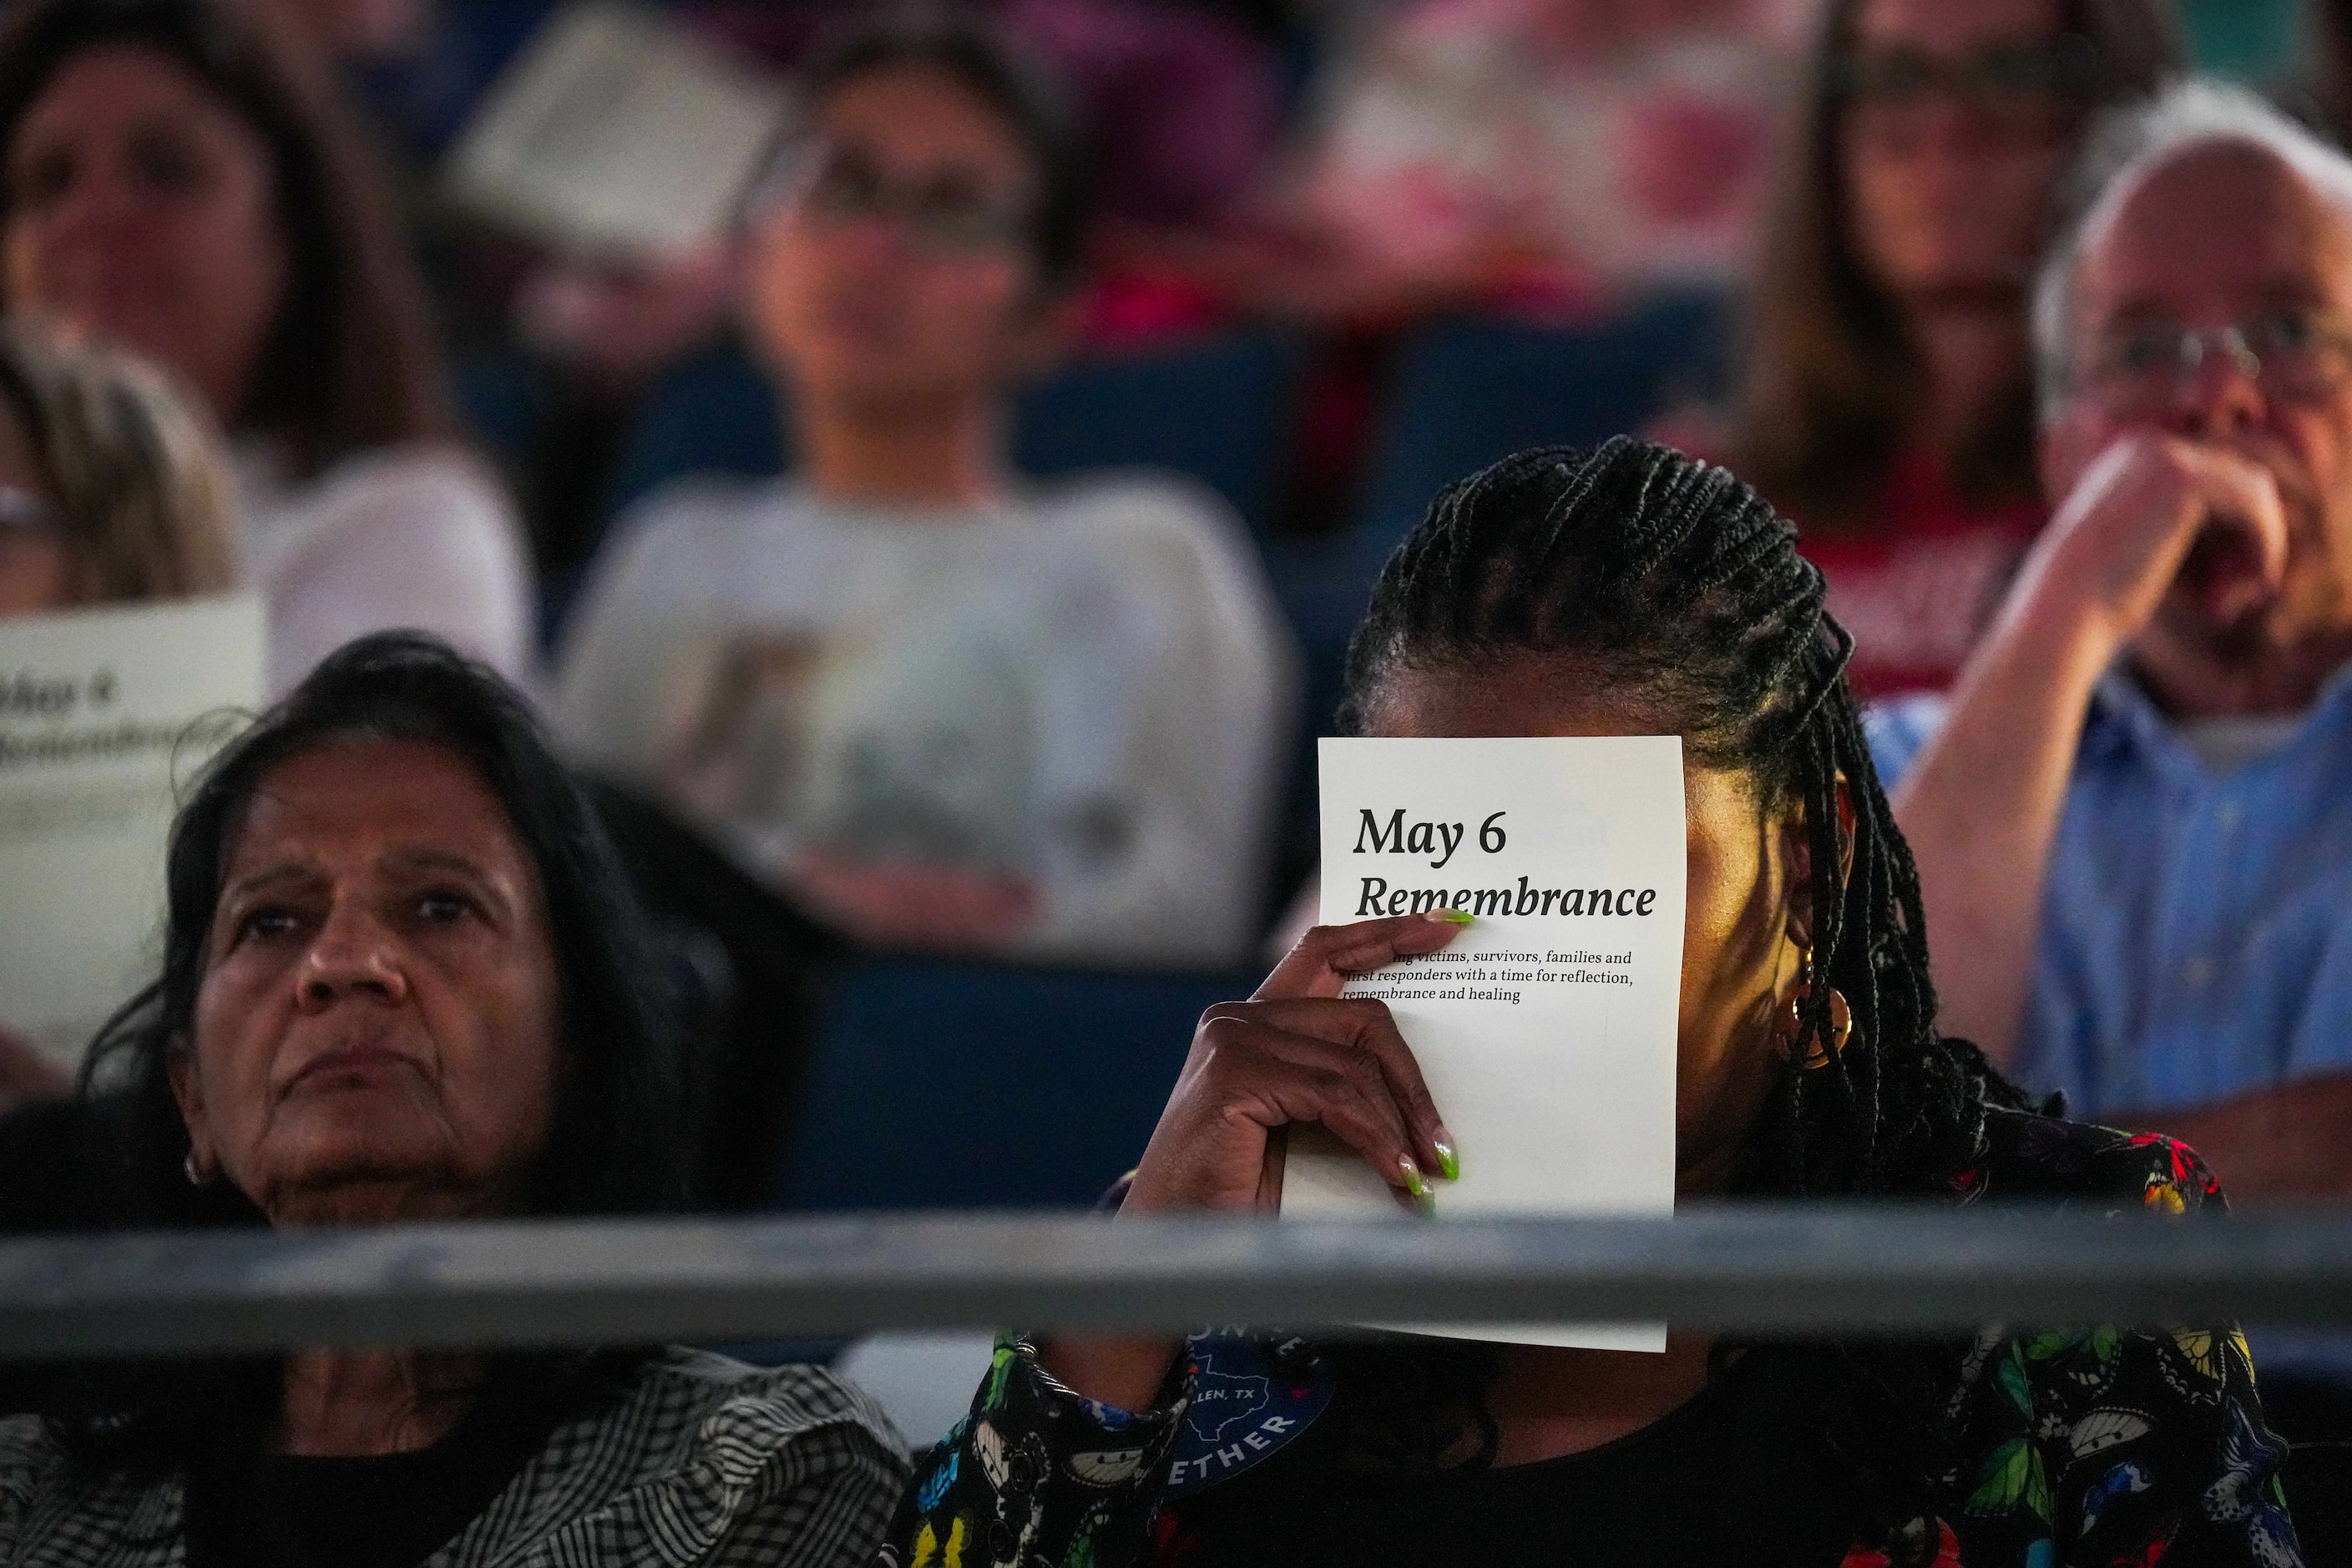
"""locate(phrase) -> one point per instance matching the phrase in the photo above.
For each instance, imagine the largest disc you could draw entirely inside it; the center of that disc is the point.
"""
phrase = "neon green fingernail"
(1413, 1180)
(1449, 1164)
(1456, 917)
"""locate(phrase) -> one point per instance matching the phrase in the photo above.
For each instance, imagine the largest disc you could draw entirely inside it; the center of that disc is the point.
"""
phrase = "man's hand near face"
(2155, 519)
(2153, 516)
(2158, 525)
(2198, 445)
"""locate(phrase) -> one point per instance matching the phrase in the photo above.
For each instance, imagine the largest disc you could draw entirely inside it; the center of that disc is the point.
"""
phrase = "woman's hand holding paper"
(1298, 1051)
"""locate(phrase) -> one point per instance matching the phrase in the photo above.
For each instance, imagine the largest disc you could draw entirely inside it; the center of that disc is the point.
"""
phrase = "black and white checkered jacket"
(700, 1461)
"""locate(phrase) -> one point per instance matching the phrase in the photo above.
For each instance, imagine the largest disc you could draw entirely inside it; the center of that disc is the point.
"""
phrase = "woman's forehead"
(125, 79)
(1509, 695)
(1542, 694)
(923, 115)
(365, 793)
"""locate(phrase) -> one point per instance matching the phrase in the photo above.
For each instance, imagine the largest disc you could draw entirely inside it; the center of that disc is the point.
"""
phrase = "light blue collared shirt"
(2196, 930)
(2196, 927)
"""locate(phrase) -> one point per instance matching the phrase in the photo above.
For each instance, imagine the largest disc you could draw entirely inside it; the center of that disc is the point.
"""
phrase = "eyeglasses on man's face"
(947, 212)
(2295, 356)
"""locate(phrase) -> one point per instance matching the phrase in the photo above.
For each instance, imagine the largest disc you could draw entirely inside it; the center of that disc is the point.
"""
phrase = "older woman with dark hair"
(404, 978)
(177, 179)
(1889, 406)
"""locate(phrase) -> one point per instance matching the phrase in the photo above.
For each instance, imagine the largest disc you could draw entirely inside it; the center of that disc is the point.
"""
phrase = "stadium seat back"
(1469, 391)
(1218, 410)
(938, 1084)
(716, 414)
(1215, 409)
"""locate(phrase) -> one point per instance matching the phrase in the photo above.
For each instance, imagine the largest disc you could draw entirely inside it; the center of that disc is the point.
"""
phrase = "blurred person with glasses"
(935, 704)
(2135, 816)
(111, 492)
(1888, 398)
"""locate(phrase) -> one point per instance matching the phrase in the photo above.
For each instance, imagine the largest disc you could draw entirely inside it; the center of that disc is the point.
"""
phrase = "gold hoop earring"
(1818, 1052)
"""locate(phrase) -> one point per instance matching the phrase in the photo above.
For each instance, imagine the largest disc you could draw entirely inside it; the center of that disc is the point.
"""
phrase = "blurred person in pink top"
(1546, 154)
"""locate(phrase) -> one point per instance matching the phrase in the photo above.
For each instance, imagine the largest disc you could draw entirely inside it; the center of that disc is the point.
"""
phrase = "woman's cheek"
(237, 988)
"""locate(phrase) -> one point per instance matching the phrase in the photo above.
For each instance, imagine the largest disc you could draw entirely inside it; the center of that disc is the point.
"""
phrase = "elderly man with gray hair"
(2134, 824)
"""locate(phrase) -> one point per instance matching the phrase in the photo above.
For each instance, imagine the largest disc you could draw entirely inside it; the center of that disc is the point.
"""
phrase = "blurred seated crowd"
(811, 716)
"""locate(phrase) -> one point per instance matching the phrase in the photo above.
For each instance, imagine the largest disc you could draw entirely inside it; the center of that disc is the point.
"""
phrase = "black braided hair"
(1680, 593)
(1671, 587)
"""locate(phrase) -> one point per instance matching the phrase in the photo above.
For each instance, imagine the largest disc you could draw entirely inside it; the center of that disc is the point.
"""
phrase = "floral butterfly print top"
(2076, 1447)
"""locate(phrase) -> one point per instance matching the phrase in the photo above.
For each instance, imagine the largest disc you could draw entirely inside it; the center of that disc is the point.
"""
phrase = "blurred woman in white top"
(175, 181)
(940, 706)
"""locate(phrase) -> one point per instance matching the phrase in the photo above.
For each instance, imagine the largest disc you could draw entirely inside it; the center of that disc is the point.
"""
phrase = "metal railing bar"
(1779, 1270)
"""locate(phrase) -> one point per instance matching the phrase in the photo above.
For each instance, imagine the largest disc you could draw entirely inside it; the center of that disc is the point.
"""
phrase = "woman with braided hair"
(1632, 591)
